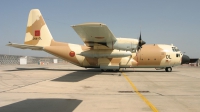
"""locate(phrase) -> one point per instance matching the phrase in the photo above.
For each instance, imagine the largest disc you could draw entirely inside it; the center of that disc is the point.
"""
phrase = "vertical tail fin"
(37, 32)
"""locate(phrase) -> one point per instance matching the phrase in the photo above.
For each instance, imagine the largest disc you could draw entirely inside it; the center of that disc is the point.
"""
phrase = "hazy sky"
(161, 22)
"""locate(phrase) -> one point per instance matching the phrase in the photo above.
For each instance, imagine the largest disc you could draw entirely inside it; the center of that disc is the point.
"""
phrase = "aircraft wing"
(24, 46)
(94, 33)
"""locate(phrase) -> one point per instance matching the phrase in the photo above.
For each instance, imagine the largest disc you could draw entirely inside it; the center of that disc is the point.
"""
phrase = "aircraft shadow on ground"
(48, 69)
(76, 76)
(42, 105)
(81, 74)
(143, 71)
(86, 70)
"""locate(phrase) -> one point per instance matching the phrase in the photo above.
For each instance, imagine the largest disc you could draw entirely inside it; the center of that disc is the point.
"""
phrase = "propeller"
(140, 43)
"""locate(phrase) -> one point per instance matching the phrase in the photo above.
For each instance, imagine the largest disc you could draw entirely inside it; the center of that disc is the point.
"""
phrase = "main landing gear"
(111, 70)
(168, 69)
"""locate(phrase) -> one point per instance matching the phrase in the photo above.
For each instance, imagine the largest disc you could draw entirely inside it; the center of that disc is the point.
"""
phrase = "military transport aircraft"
(102, 49)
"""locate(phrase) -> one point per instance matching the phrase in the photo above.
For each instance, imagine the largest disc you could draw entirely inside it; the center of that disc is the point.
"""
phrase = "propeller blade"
(140, 42)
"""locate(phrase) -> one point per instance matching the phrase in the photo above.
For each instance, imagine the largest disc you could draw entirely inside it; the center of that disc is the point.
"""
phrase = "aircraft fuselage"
(102, 49)
(150, 55)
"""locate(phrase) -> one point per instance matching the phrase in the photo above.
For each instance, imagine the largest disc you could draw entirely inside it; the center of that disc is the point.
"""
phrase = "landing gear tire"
(168, 69)
(103, 70)
(115, 70)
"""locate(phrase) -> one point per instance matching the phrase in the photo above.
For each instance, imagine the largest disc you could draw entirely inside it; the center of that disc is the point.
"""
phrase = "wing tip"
(89, 24)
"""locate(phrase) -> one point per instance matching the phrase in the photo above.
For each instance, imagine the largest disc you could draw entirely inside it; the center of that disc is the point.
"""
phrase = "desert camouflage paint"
(150, 55)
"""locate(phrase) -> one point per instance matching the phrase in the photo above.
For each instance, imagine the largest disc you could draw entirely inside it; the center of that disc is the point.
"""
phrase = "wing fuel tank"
(105, 53)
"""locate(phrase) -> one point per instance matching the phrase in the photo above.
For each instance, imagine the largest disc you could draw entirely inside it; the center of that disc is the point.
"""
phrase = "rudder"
(37, 32)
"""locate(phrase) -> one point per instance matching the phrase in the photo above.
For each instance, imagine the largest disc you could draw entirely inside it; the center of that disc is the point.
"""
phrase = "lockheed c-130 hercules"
(102, 49)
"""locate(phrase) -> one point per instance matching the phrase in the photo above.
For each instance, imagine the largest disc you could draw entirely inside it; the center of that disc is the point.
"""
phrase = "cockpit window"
(174, 49)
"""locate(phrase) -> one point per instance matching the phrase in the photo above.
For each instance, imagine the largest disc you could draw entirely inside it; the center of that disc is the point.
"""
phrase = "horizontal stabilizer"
(24, 46)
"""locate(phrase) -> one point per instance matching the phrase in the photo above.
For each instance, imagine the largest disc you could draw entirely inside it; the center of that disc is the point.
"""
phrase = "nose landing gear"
(168, 69)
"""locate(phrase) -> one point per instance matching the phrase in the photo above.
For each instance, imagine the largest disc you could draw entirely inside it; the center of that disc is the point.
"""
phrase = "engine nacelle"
(127, 44)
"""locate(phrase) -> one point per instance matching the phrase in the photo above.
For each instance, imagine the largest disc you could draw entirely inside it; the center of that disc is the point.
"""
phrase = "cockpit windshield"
(175, 49)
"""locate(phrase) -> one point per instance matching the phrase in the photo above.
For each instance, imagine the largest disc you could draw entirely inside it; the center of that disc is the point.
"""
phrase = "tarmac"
(66, 88)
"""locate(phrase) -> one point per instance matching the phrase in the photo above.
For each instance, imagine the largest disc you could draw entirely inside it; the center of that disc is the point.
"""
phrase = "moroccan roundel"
(37, 32)
(72, 53)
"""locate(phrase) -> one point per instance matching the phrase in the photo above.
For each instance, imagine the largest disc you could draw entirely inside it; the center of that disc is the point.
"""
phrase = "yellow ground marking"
(139, 94)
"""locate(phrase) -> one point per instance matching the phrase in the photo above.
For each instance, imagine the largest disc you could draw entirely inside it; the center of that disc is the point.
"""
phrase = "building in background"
(17, 59)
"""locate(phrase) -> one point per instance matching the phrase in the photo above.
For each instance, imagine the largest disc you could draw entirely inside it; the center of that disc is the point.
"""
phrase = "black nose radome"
(185, 59)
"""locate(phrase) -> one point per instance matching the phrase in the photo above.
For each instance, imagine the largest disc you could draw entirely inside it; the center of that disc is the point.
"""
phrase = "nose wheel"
(168, 69)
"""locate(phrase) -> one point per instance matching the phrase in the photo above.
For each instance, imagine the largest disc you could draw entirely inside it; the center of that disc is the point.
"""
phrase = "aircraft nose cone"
(185, 59)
